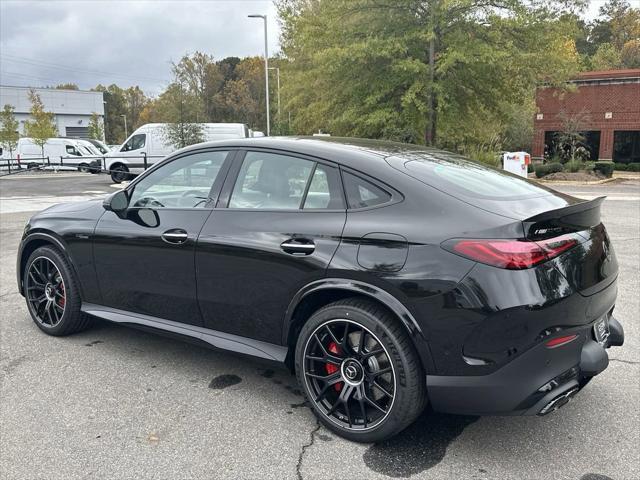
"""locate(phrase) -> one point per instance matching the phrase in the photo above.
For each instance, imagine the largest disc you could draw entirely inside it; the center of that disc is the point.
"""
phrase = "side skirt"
(221, 340)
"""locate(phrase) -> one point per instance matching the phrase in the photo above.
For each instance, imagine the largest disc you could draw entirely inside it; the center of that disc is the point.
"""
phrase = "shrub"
(627, 167)
(573, 166)
(543, 170)
(605, 168)
(589, 166)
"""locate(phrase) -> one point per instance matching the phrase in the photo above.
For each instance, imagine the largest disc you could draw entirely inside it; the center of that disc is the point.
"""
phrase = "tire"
(64, 316)
(120, 173)
(404, 385)
(84, 168)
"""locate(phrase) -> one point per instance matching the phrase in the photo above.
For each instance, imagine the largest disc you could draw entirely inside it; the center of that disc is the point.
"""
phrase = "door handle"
(298, 246)
(175, 236)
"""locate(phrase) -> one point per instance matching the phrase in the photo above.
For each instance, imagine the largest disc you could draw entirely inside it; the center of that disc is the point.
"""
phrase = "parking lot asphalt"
(114, 402)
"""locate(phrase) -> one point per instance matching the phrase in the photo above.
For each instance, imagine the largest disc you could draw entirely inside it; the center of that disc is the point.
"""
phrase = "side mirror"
(116, 202)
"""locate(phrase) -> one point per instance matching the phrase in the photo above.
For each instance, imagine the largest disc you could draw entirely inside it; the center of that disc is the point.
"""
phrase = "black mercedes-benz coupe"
(386, 276)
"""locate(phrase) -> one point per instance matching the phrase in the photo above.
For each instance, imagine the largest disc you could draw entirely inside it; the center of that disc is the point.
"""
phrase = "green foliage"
(182, 135)
(9, 129)
(543, 170)
(605, 168)
(229, 90)
(626, 167)
(129, 102)
(95, 127)
(613, 39)
(573, 166)
(66, 86)
(410, 70)
(41, 126)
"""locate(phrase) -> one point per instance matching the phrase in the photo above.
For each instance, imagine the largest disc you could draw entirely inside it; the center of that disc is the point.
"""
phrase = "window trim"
(395, 195)
(214, 191)
(232, 177)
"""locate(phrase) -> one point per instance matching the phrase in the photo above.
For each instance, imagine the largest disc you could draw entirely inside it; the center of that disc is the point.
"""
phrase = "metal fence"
(93, 164)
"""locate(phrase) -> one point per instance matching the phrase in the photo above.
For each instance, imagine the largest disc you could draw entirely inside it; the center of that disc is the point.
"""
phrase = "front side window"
(182, 183)
(71, 150)
(271, 181)
(134, 143)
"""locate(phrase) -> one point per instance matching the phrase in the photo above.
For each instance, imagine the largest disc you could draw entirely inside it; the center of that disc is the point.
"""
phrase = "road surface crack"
(630, 362)
(312, 439)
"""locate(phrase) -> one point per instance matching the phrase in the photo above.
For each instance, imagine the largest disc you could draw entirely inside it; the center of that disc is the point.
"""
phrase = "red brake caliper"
(331, 368)
(63, 298)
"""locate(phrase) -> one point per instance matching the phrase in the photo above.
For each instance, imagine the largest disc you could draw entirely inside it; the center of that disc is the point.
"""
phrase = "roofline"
(22, 87)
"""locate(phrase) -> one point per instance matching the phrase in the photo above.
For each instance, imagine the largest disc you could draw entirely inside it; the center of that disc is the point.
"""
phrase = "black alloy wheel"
(45, 291)
(349, 360)
(52, 294)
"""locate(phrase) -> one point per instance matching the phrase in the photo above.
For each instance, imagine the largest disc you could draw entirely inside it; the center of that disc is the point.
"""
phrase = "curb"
(576, 182)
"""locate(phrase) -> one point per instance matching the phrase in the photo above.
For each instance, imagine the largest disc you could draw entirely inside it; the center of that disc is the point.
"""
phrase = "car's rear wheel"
(84, 168)
(52, 293)
(359, 371)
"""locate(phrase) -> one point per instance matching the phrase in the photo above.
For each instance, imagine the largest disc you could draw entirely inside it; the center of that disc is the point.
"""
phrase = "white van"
(150, 140)
(28, 153)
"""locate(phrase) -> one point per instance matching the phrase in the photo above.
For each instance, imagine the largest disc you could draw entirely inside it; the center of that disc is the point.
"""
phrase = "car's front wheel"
(359, 370)
(52, 293)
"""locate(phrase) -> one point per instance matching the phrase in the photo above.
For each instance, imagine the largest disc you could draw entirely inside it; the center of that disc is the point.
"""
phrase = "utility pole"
(266, 68)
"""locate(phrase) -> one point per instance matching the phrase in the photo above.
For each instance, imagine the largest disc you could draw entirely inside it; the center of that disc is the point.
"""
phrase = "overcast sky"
(127, 42)
(124, 42)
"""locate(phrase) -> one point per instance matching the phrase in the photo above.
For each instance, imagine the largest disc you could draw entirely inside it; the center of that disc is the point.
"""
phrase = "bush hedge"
(627, 167)
(543, 170)
(605, 168)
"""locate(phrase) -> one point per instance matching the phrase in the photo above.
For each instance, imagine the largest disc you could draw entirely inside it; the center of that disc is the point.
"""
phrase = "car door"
(276, 228)
(144, 257)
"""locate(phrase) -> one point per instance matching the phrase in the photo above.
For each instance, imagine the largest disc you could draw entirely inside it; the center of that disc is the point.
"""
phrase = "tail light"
(512, 254)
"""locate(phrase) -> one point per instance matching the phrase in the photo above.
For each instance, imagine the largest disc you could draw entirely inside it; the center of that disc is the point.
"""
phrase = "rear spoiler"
(574, 218)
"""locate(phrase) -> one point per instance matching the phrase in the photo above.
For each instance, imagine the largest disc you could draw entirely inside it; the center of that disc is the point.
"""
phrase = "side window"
(71, 150)
(271, 181)
(325, 190)
(182, 183)
(361, 193)
(135, 142)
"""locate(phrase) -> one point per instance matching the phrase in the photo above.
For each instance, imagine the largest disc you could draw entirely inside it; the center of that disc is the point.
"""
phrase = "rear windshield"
(455, 174)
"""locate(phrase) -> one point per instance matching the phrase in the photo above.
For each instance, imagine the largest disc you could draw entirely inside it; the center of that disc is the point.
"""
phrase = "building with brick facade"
(605, 105)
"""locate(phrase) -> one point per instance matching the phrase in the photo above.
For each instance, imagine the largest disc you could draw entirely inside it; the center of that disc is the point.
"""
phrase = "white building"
(72, 108)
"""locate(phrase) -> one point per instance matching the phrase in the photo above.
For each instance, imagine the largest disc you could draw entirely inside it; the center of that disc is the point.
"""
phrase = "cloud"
(124, 42)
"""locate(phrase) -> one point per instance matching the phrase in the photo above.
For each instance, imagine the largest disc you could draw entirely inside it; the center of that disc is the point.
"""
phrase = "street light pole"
(104, 122)
(277, 69)
(266, 68)
(126, 132)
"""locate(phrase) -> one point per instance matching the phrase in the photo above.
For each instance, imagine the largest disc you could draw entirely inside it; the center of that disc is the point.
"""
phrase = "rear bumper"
(529, 383)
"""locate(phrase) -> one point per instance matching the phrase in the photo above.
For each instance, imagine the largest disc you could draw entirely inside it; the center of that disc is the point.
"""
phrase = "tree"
(9, 129)
(95, 128)
(129, 102)
(181, 131)
(42, 126)
(571, 135)
(66, 86)
(611, 41)
(418, 70)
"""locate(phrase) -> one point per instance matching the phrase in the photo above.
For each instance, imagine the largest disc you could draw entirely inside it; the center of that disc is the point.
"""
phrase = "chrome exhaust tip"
(559, 401)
